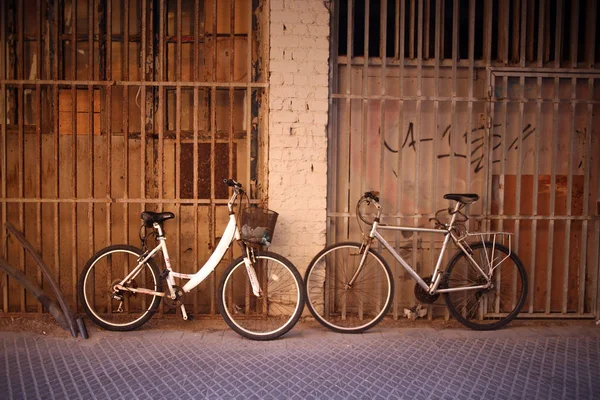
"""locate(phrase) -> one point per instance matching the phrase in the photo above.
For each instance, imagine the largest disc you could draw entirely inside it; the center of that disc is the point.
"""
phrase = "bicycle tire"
(276, 311)
(343, 309)
(94, 289)
(491, 308)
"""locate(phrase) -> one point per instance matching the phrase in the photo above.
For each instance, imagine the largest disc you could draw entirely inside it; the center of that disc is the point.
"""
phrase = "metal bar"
(396, 31)
(471, 216)
(333, 137)
(97, 83)
(136, 38)
(574, 32)
(382, 150)
(186, 135)
(558, 34)
(520, 137)
(504, 26)
(179, 56)
(365, 100)
(230, 160)
(160, 113)
(195, 109)
(455, 56)
(38, 128)
(213, 127)
(91, 154)
(364, 123)
(411, 30)
(4, 145)
(419, 104)
(487, 27)
(426, 22)
(26, 246)
(179, 60)
(501, 183)
(536, 166)
(66, 200)
(465, 98)
(471, 79)
(552, 197)
(143, 110)
(531, 29)
(443, 29)
(436, 88)
(518, 40)
(333, 126)
(590, 37)
(438, 56)
(125, 67)
(586, 196)
(523, 42)
(53, 59)
(400, 22)
(109, 161)
(557, 316)
(567, 246)
(21, 138)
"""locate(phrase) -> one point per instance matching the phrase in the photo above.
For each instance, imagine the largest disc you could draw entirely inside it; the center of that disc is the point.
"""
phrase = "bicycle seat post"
(161, 233)
(454, 213)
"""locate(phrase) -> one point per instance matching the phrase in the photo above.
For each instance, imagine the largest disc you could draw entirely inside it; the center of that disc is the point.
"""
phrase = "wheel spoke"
(342, 307)
(493, 307)
(273, 314)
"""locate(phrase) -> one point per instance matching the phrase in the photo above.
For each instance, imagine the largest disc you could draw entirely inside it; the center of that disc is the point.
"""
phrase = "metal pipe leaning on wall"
(63, 315)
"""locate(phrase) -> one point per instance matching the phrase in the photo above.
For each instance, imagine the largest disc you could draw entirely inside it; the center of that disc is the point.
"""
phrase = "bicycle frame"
(436, 278)
(231, 232)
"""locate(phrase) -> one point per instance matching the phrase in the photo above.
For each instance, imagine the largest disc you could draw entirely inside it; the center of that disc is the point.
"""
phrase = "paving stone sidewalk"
(560, 362)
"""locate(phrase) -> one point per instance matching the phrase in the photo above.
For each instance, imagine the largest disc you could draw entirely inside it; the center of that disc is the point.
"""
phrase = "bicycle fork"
(364, 250)
(249, 261)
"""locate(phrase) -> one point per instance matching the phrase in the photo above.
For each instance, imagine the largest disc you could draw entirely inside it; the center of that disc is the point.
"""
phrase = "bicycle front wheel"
(278, 308)
(343, 307)
(118, 310)
(493, 307)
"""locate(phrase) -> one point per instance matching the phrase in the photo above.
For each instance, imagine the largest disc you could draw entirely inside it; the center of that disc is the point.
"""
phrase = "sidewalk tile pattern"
(304, 365)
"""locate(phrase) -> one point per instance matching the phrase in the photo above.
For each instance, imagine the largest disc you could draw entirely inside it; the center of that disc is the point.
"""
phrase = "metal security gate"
(544, 182)
(111, 107)
(439, 96)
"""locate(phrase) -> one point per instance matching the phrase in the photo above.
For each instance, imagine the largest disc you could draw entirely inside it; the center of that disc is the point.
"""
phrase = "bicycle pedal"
(164, 273)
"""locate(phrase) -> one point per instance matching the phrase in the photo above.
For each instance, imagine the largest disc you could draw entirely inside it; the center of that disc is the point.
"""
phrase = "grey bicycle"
(349, 286)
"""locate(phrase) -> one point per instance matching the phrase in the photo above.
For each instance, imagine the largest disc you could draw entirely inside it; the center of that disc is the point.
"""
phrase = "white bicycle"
(260, 296)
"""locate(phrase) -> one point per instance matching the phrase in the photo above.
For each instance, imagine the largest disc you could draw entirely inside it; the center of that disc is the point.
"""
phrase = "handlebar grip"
(374, 195)
(232, 183)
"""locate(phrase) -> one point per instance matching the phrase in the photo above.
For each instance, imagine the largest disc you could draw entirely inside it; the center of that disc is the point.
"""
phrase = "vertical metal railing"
(474, 66)
(142, 116)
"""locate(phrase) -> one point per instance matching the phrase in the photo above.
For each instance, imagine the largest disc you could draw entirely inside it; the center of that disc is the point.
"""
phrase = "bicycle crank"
(178, 300)
(422, 295)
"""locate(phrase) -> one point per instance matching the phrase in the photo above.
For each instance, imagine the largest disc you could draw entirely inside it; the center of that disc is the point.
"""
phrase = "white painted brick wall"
(298, 107)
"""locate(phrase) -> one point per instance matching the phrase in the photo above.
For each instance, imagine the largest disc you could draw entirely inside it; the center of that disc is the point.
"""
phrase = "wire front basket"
(258, 225)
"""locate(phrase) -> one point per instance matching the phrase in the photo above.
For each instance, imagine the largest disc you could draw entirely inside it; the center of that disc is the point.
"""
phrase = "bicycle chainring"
(174, 303)
(422, 295)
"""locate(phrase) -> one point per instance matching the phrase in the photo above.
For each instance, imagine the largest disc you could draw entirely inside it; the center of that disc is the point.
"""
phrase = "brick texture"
(298, 117)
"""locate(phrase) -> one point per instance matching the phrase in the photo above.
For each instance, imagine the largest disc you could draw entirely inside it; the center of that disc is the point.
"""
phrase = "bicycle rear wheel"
(494, 307)
(118, 310)
(276, 311)
(336, 305)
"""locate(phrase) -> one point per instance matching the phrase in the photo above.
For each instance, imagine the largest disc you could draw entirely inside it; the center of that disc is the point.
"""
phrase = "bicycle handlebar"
(368, 197)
